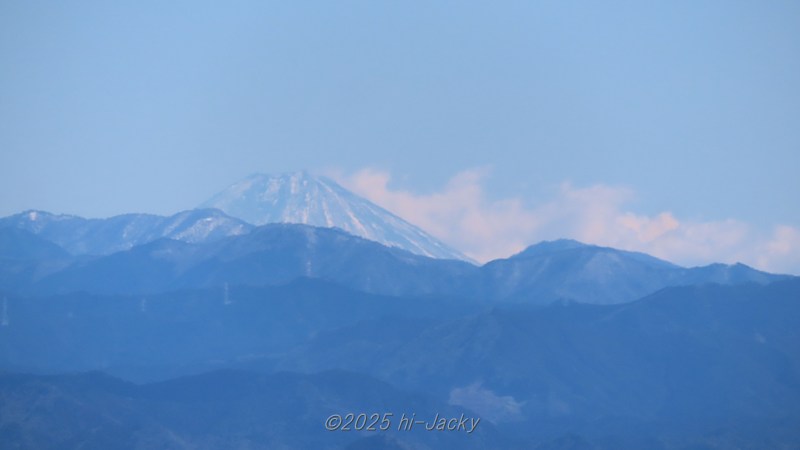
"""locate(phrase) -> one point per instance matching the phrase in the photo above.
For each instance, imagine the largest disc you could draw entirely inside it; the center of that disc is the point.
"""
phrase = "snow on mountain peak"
(81, 236)
(304, 198)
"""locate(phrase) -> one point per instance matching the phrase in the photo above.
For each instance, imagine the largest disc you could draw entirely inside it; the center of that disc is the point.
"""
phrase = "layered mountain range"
(244, 324)
(298, 198)
(80, 236)
(279, 253)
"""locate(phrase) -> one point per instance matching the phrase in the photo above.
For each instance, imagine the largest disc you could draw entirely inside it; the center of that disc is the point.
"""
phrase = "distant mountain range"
(268, 255)
(279, 253)
(549, 271)
(249, 329)
(259, 199)
(319, 201)
(569, 270)
(80, 236)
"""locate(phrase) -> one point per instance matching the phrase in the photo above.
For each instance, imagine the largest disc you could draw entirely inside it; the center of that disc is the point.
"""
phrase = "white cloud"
(463, 216)
(483, 401)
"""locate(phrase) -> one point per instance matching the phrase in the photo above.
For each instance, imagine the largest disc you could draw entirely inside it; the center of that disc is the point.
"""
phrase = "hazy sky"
(690, 108)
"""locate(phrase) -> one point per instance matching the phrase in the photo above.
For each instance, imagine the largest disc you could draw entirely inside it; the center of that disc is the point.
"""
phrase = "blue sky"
(690, 108)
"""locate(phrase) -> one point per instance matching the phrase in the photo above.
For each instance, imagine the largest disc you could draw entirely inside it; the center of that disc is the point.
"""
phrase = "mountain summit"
(319, 201)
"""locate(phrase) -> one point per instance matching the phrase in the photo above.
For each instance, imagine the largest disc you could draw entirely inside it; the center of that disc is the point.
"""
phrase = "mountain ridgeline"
(259, 199)
(279, 253)
(80, 236)
(247, 323)
(319, 201)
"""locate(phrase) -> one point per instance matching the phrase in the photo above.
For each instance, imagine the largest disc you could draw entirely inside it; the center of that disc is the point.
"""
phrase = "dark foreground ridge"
(710, 366)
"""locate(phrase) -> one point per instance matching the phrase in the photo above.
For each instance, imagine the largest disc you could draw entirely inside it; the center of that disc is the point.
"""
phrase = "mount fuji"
(319, 201)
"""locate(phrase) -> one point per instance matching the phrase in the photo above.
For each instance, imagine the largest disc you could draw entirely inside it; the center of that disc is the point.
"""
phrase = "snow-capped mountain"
(81, 236)
(570, 270)
(315, 200)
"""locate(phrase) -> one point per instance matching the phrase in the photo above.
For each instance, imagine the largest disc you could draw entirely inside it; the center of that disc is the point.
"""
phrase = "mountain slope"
(25, 257)
(146, 337)
(713, 360)
(268, 255)
(279, 253)
(217, 410)
(314, 200)
(81, 236)
(573, 271)
(19, 244)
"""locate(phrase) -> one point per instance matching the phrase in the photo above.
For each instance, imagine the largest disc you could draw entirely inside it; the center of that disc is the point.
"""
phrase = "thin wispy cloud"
(462, 215)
